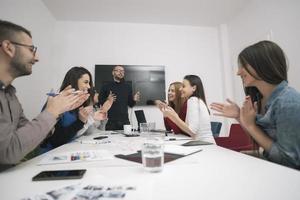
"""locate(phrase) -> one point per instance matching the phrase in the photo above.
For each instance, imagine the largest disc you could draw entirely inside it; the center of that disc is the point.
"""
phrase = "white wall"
(33, 15)
(61, 45)
(209, 52)
(182, 49)
(277, 20)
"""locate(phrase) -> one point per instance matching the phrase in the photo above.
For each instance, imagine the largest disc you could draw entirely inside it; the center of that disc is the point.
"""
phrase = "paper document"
(92, 141)
(76, 156)
(181, 150)
(92, 192)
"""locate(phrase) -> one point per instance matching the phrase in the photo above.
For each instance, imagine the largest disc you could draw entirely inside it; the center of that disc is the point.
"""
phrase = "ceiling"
(173, 12)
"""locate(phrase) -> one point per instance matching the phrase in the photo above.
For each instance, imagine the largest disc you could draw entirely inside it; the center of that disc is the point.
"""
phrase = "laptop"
(140, 117)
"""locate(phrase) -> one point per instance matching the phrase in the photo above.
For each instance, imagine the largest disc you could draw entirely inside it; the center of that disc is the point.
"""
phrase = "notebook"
(137, 157)
(181, 150)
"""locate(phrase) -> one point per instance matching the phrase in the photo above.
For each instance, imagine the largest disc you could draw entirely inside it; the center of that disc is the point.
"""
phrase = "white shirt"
(90, 122)
(198, 119)
(91, 126)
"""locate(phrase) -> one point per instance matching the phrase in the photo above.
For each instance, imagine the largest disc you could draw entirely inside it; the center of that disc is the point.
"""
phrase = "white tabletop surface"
(214, 173)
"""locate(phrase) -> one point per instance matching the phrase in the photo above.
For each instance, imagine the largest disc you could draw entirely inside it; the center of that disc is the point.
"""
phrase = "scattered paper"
(181, 150)
(60, 194)
(88, 192)
(76, 156)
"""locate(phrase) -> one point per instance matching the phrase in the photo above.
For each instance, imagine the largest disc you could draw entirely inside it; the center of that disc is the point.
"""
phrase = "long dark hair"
(269, 62)
(199, 92)
(267, 59)
(255, 95)
(72, 77)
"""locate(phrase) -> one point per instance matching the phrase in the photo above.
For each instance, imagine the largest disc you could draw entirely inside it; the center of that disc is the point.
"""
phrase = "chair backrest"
(216, 128)
(238, 139)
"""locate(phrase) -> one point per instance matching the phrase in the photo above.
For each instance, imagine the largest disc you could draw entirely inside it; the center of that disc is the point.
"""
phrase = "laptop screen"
(140, 116)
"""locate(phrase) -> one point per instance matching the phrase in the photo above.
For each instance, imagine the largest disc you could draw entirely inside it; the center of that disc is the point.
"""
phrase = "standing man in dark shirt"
(118, 113)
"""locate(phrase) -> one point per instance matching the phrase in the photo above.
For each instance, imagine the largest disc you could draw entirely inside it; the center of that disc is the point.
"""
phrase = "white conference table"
(214, 173)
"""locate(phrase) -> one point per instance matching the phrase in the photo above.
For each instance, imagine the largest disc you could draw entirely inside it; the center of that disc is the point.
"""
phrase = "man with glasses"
(18, 135)
(118, 113)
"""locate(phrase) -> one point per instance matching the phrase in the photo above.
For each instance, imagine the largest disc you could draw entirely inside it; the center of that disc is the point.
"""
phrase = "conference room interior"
(202, 37)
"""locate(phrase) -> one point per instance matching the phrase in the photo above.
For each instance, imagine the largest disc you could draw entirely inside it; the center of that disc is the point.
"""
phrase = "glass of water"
(144, 128)
(153, 154)
(151, 126)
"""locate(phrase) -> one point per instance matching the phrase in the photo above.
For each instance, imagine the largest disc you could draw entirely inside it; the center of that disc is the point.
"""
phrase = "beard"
(18, 67)
(119, 78)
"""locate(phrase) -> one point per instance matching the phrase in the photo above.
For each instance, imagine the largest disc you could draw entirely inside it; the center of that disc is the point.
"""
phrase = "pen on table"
(174, 139)
(195, 152)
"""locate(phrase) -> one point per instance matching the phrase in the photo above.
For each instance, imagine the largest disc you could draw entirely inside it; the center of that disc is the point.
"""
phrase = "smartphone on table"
(59, 175)
(100, 137)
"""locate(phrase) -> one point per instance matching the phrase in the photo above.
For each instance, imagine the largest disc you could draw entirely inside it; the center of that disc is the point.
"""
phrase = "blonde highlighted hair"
(178, 101)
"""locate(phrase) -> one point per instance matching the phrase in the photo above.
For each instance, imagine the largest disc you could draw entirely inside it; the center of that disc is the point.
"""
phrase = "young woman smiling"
(197, 120)
(271, 116)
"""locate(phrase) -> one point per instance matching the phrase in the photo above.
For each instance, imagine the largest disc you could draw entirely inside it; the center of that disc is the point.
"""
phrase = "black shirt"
(63, 134)
(119, 108)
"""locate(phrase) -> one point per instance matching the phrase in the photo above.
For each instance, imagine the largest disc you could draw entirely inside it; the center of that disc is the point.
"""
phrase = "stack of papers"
(181, 150)
(76, 156)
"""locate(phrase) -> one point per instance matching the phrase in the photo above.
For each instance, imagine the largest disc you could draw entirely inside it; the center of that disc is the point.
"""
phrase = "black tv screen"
(148, 79)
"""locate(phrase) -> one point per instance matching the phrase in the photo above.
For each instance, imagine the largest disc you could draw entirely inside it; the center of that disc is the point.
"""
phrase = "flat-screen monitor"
(149, 80)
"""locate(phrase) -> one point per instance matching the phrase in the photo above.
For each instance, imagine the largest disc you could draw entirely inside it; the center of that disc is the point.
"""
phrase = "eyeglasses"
(32, 48)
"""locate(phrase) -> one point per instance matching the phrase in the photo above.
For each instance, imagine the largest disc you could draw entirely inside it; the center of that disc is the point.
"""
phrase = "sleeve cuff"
(273, 153)
(48, 117)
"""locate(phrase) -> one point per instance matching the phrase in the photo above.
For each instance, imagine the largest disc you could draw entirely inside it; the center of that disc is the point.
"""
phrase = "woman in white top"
(197, 121)
(98, 119)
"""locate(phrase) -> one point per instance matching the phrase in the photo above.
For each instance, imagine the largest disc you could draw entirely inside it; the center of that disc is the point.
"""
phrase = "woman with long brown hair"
(270, 114)
(197, 121)
(178, 103)
(71, 122)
